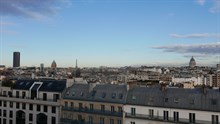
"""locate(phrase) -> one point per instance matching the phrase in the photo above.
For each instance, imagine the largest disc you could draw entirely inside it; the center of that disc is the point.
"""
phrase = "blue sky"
(110, 32)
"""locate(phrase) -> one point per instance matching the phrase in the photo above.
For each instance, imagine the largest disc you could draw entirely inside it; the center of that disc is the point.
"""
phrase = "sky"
(110, 32)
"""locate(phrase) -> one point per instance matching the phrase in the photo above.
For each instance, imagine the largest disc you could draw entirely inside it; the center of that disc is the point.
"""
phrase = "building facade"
(31, 102)
(94, 104)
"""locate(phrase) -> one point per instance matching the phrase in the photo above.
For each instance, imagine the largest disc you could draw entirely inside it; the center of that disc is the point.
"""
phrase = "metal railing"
(161, 118)
(94, 111)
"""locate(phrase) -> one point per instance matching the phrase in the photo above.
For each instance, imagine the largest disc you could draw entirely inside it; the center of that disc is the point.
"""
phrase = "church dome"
(54, 64)
(192, 62)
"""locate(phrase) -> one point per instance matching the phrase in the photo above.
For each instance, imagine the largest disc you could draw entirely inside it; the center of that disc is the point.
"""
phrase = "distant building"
(41, 67)
(54, 64)
(192, 62)
(218, 66)
(16, 59)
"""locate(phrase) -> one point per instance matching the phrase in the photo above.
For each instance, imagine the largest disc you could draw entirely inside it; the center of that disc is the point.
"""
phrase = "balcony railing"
(161, 118)
(94, 111)
(70, 121)
(29, 100)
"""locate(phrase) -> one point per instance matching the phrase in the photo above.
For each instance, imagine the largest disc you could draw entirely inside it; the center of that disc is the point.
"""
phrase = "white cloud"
(36, 9)
(196, 35)
(200, 2)
(216, 7)
(6, 23)
(199, 49)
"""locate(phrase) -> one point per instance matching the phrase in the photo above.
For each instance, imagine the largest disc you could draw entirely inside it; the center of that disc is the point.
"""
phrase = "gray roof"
(100, 93)
(196, 99)
(47, 86)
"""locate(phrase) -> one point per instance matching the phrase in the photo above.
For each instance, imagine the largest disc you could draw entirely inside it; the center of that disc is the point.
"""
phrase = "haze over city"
(110, 32)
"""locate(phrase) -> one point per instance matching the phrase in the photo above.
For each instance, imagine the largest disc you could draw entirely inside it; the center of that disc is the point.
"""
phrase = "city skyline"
(110, 33)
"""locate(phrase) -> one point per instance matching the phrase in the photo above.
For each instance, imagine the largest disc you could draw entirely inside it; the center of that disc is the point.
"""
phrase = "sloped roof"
(47, 86)
(100, 93)
(198, 99)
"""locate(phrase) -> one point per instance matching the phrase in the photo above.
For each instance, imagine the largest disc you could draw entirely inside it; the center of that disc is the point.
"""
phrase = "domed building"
(192, 62)
(54, 64)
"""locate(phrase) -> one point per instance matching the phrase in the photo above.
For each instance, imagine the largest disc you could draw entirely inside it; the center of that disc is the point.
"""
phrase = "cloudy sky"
(110, 32)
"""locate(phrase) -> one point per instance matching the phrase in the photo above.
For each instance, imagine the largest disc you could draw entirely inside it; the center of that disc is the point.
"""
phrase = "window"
(119, 109)
(176, 116)
(4, 121)
(166, 100)
(103, 95)
(66, 104)
(91, 107)
(215, 119)
(0, 103)
(165, 115)
(102, 121)
(90, 120)
(10, 122)
(4, 113)
(53, 109)
(0, 112)
(45, 96)
(53, 120)
(192, 118)
(214, 101)
(30, 117)
(112, 109)
(17, 105)
(119, 122)
(102, 108)
(133, 111)
(11, 104)
(38, 107)
(151, 99)
(151, 113)
(72, 105)
(111, 121)
(132, 122)
(23, 94)
(23, 106)
(45, 108)
(176, 100)
(11, 114)
(192, 101)
(80, 106)
(56, 97)
(17, 94)
(120, 96)
(113, 95)
(30, 106)
(5, 103)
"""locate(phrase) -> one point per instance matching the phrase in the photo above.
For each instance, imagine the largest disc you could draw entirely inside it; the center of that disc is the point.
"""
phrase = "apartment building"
(172, 105)
(93, 104)
(31, 102)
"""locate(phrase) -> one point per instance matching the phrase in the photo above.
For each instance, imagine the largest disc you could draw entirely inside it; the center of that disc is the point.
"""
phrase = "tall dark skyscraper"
(16, 59)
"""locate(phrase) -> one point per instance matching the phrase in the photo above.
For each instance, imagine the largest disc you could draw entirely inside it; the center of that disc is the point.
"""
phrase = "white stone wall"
(183, 114)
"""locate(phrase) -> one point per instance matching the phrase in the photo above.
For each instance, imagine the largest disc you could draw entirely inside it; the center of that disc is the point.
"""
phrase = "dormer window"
(120, 96)
(176, 100)
(133, 98)
(67, 93)
(214, 101)
(113, 95)
(73, 93)
(103, 95)
(93, 93)
(81, 94)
